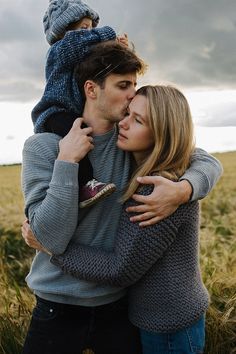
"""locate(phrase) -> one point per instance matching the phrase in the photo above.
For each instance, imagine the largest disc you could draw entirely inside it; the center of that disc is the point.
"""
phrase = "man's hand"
(162, 202)
(30, 239)
(76, 144)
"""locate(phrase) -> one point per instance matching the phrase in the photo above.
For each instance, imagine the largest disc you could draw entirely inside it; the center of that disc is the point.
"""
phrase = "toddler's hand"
(123, 39)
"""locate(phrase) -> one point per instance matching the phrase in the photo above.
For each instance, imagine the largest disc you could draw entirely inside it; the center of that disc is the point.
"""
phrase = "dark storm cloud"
(22, 50)
(188, 42)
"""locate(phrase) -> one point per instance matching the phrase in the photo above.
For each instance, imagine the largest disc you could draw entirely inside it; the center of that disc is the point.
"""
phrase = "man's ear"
(90, 89)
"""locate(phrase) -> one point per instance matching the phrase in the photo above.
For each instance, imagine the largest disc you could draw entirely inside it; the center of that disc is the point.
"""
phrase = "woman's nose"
(124, 123)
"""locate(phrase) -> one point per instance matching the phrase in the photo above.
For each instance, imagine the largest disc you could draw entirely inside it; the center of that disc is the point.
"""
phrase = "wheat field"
(218, 261)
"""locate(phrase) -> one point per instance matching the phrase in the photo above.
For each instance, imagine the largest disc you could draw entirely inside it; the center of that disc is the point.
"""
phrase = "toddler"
(70, 28)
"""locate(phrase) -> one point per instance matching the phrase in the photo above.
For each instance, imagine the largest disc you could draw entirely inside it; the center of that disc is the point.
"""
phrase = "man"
(72, 315)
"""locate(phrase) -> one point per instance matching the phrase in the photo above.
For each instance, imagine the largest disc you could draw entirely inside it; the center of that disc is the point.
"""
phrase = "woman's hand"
(30, 239)
(162, 202)
(76, 144)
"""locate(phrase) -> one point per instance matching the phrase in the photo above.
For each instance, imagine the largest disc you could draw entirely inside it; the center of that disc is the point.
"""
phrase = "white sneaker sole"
(109, 189)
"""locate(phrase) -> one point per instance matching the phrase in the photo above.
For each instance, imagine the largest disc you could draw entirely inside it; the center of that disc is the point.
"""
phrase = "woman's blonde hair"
(170, 120)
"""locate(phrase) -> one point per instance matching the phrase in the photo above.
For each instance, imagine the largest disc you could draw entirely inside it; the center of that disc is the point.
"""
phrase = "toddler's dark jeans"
(69, 329)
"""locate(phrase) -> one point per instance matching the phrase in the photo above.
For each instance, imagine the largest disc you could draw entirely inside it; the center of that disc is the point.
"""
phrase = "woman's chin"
(121, 145)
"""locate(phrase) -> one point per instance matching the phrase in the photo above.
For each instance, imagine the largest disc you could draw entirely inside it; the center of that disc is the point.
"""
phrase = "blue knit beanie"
(61, 13)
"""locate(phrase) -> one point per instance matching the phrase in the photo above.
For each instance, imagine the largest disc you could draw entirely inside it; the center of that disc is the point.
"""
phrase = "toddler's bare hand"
(123, 39)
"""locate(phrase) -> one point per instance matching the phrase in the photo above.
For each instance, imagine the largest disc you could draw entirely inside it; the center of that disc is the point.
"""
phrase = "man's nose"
(131, 93)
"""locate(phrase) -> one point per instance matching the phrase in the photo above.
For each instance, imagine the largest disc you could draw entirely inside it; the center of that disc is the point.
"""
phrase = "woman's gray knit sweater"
(160, 263)
(51, 194)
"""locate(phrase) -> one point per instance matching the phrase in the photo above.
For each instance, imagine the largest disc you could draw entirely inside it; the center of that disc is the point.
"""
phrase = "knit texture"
(61, 13)
(204, 173)
(51, 199)
(61, 93)
(51, 191)
(159, 263)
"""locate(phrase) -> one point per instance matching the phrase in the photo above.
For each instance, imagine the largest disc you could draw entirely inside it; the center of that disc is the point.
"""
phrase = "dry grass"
(218, 261)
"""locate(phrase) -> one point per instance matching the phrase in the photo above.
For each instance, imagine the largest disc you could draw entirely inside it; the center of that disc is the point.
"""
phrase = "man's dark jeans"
(68, 329)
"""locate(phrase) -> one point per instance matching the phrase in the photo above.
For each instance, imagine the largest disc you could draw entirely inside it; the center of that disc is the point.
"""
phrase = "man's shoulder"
(42, 138)
(44, 143)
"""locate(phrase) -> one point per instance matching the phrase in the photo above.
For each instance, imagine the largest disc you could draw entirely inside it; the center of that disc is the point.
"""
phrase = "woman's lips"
(121, 136)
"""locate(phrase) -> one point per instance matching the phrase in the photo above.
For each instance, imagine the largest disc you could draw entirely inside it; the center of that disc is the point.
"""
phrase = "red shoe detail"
(94, 191)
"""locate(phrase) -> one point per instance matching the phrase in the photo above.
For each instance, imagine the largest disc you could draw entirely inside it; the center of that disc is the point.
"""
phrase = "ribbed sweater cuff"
(199, 183)
(65, 173)
(57, 260)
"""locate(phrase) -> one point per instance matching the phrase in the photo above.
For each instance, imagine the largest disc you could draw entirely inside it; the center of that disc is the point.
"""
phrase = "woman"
(159, 263)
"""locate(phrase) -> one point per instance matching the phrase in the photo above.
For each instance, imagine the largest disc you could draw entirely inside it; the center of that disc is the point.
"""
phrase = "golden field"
(218, 261)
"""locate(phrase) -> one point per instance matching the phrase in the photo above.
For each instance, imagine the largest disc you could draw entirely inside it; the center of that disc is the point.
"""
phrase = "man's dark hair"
(107, 58)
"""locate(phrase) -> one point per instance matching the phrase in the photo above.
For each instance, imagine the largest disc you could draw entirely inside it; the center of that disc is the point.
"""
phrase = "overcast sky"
(191, 43)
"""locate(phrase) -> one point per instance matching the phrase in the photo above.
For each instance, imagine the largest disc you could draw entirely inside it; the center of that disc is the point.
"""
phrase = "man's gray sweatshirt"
(51, 194)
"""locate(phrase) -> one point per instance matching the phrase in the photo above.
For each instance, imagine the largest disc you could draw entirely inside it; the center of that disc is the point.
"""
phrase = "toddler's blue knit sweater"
(61, 93)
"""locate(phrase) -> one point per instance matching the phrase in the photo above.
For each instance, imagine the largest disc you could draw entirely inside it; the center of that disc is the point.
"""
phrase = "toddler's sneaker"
(94, 191)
